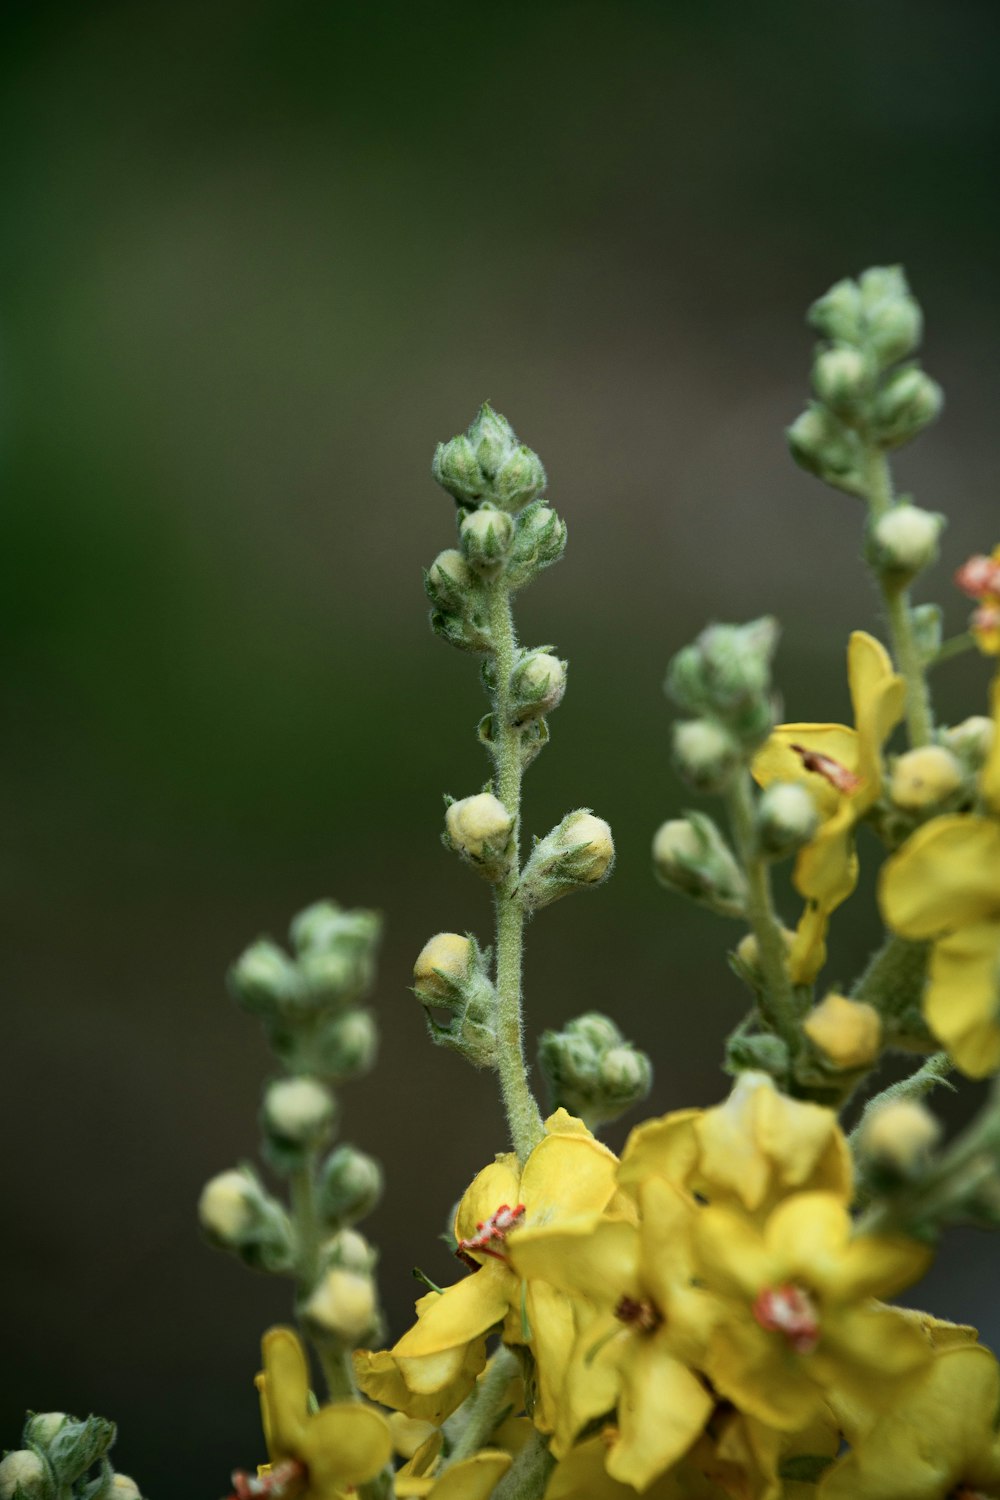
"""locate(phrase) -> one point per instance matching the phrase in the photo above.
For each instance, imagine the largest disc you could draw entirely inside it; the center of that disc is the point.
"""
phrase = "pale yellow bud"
(349, 1250)
(343, 1304)
(124, 1488)
(906, 538)
(973, 737)
(476, 821)
(585, 828)
(409, 1433)
(226, 1207)
(449, 570)
(901, 1134)
(748, 948)
(923, 777)
(847, 1032)
(444, 958)
(22, 1473)
(299, 1109)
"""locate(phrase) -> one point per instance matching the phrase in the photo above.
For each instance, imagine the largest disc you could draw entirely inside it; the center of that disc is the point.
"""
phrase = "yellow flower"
(798, 1320)
(582, 1476)
(752, 1150)
(324, 1452)
(939, 1440)
(568, 1173)
(472, 1478)
(648, 1324)
(847, 1032)
(944, 884)
(841, 767)
(380, 1377)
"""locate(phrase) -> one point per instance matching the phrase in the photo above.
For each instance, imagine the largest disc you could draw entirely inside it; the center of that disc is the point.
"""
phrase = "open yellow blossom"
(944, 884)
(324, 1452)
(568, 1173)
(938, 1441)
(752, 1150)
(472, 1478)
(799, 1320)
(841, 767)
(650, 1326)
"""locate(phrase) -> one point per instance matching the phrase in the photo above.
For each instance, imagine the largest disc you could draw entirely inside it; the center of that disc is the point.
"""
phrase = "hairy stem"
(529, 1474)
(919, 717)
(334, 1357)
(523, 1115)
(777, 1003)
(485, 1406)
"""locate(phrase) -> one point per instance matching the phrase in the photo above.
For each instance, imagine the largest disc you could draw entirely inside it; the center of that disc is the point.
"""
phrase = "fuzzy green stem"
(528, 1476)
(485, 1406)
(777, 1002)
(334, 1357)
(523, 1115)
(919, 717)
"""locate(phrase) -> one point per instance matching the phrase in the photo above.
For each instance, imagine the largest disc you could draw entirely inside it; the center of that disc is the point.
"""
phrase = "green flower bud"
(237, 1215)
(493, 441)
(326, 925)
(350, 1185)
(690, 855)
(448, 580)
(24, 1476)
(297, 1116)
(971, 740)
(726, 675)
(348, 1046)
(537, 684)
(841, 378)
(486, 536)
(264, 979)
(478, 828)
(332, 979)
(76, 1447)
(905, 540)
(349, 1250)
(893, 322)
(578, 852)
(907, 403)
(924, 778)
(705, 754)
(539, 541)
(786, 818)
(837, 314)
(519, 480)
(42, 1426)
(344, 1305)
(592, 1071)
(760, 1052)
(457, 470)
(820, 443)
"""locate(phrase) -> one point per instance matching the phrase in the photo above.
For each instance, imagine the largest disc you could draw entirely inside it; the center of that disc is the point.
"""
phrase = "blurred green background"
(256, 260)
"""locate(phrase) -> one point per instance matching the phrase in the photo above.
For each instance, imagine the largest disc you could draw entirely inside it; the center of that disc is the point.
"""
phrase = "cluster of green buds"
(311, 1003)
(864, 395)
(592, 1071)
(724, 681)
(64, 1458)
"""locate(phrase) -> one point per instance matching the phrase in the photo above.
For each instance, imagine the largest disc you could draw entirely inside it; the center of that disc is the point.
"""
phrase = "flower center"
(641, 1314)
(790, 1310)
(831, 770)
(282, 1481)
(492, 1233)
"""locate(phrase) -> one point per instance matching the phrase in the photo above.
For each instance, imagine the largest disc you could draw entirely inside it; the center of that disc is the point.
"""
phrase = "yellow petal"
(566, 1175)
(876, 1266)
(946, 875)
(879, 699)
(473, 1478)
(662, 1409)
(461, 1312)
(777, 761)
(590, 1257)
(732, 1255)
(962, 1002)
(284, 1391)
(668, 1147)
(826, 869)
(561, 1122)
(346, 1443)
(807, 953)
(582, 1475)
(809, 1233)
(761, 1376)
(553, 1335)
(381, 1377)
(495, 1185)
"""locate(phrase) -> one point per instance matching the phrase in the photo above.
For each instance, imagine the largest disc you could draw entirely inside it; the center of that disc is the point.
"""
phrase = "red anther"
(790, 1310)
(642, 1314)
(490, 1233)
(283, 1481)
(979, 577)
(824, 765)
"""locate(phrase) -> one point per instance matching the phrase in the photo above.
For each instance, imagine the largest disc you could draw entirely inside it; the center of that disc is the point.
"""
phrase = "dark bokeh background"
(256, 260)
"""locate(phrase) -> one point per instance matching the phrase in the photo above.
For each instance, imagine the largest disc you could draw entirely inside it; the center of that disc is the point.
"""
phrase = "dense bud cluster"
(592, 1071)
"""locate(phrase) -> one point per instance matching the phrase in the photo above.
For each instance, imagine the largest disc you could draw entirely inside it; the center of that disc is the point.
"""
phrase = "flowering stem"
(484, 1407)
(333, 1356)
(523, 1115)
(777, 1002)
(919, 717)
(528, 1476)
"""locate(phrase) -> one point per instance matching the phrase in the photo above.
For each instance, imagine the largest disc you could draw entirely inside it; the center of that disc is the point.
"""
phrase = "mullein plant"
(706, 1316)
